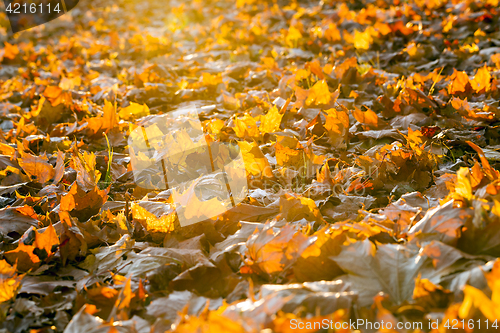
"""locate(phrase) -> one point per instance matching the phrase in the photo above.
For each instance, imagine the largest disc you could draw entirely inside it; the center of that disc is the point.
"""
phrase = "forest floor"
(370, 132)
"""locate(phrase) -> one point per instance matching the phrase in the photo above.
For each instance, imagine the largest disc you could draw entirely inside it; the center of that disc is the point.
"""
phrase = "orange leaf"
(295, 207)
(155, 217)
(104, 123)
(481, 79)
(319, 94)
(53, 95)
(367, 118)
(459, 81)
(315, 68)
(362, 40)
(85, 166)
(491, 173)
(256, 163)
(134, 111)
(9, 281)
(335, 126)
(46, 240)
(270, 251)
(10, 51)
(37, 168)
(24, 257)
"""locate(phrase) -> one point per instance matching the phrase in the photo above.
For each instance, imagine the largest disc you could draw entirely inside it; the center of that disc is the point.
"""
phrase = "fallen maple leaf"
(9, 281)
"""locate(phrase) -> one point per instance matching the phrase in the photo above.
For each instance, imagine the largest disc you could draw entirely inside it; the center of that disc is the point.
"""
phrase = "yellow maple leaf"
(463, 187)
(256, 163)
(319, 94)
(289, 157)
(103, 124)
(292, 36)
(9, 281)
(152, 223)
(134, 111)
(362, 40)
(367, 118)
(246, 127)
(271, 121)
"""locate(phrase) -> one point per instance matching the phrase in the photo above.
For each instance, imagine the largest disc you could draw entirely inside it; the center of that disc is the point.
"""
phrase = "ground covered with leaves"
(371, 135)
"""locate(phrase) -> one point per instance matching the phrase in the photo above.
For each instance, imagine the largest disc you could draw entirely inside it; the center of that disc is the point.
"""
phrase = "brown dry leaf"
(51, 106)
(168, 307)
(59, 168)
(71, 238)
(390, 268)
(84, 321)
(17, 220)
(37, 168)
(444, 221)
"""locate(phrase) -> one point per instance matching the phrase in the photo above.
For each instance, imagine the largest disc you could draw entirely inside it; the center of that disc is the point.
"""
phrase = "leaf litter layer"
(369, 130)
